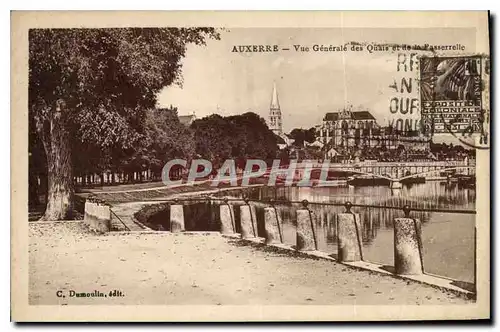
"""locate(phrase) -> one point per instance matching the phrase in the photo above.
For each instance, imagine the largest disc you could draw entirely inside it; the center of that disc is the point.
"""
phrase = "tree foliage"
(300, 136)
(241, 137)
(165, 138)
(107, 78)
(89, 92)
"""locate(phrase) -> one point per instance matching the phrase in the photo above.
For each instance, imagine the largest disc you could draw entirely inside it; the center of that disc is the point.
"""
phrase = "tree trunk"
(33, 194)
(44, 184)
(60, 198)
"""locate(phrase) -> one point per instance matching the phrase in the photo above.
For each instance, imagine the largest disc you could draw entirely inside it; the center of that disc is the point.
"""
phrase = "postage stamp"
(452, 95)
(240, 166)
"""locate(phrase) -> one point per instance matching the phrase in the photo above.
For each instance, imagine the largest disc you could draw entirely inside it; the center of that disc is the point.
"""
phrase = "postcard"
(250, 166)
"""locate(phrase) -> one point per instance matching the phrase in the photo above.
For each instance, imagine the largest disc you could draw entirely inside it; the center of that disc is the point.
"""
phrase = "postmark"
(453, 97)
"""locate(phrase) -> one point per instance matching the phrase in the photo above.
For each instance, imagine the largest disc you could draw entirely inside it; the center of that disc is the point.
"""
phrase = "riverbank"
(165, 268)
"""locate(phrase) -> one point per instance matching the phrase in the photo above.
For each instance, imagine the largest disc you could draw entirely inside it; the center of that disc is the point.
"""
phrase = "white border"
(212, 5)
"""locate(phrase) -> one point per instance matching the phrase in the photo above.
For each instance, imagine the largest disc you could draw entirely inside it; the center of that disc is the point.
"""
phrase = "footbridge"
(395, 171)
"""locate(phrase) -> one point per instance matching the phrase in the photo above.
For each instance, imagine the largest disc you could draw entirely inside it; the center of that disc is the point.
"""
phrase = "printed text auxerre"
(255, 48)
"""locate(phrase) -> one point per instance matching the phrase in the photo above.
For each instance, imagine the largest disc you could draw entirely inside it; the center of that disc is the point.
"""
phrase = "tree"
(303, 135)
(253, 138)
(166, 138)
(37, 167)
(213, 136)
(241, 137)
(91, 87)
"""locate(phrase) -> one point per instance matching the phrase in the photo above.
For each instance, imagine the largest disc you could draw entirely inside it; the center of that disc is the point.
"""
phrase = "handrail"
(274, 201)
(113, 212)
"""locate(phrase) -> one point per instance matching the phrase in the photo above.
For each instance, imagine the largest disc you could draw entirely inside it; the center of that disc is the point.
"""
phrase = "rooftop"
(354, 115)
(187, 119)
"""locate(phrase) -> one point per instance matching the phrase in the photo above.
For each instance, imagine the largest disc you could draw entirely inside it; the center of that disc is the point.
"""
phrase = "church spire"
(275, 123)
(275, 103)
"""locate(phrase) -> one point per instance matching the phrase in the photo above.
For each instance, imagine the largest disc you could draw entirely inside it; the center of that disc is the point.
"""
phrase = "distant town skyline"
(310, 84)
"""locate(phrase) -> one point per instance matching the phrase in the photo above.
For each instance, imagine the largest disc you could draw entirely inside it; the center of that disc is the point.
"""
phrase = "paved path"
(165, 268)
(126, 200)
(122, 217)
(124, 205)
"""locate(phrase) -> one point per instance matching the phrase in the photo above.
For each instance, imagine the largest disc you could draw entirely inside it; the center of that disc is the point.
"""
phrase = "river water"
(447, 238)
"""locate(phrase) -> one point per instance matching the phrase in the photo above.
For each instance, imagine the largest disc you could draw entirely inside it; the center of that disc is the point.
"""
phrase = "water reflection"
(447, 237)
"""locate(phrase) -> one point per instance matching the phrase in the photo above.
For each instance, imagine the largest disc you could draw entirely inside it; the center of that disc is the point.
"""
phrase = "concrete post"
(248, 226)
(254, 216)
(177, 218)
(106, 212)
(396, 185)
(103, 219)
(408, 246)
(98, 216)
(271, 226)
(305, 233)
(349, 237)
(92, 215)
(396, 192)
(86, 218)
(226, 219)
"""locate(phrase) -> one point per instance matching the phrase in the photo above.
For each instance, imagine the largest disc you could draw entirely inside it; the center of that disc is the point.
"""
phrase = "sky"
(310, 84)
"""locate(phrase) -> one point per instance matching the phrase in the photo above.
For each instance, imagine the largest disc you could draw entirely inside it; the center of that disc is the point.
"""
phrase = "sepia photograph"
(220, 167)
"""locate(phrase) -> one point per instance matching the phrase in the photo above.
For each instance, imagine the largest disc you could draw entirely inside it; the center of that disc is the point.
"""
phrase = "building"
(348, 130)
(275, 121)
(187, 120)
(317, 144)
(331, 153)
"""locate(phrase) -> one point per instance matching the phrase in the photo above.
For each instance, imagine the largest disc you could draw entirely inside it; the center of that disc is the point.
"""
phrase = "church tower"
(275, 123)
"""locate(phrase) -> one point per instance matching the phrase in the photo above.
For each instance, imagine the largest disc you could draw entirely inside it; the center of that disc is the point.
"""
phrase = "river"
(447, 238)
